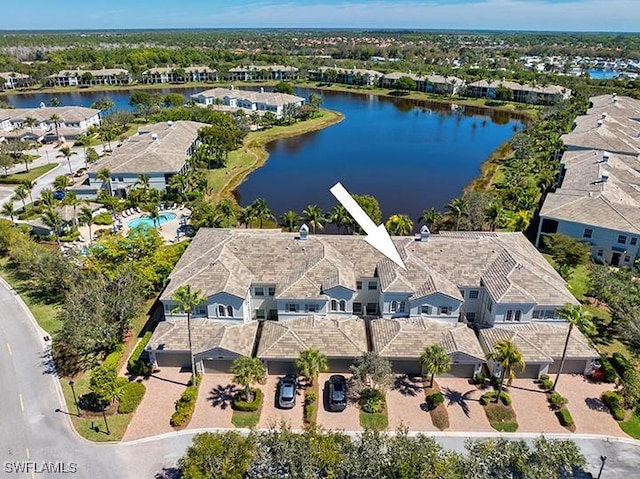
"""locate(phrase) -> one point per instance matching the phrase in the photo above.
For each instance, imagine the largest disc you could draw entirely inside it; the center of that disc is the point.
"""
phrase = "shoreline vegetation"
(253, 153)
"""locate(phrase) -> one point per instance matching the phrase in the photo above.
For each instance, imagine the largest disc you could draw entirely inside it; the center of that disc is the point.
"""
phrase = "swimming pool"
(147, 222)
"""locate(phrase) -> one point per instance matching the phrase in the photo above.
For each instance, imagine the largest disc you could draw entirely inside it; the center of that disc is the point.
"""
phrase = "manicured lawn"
(245, 419)
(376, 422)
(252, 155)
(502, 418)
(579, 281)
(117, 427)
(31, 175)
(631, 426)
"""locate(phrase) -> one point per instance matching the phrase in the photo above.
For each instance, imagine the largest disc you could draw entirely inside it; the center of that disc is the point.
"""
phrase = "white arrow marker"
(377, 236)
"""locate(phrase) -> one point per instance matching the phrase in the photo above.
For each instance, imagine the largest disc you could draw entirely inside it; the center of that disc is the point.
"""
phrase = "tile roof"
(192, 69)
(274, 68)
(205, 335)
(540, 342)
(335, 338)
(67, 114)
(407, 338)
(548, 89)
(95, 73)
(433, 78)
(267, 98)
(142, 153)
(507, 263)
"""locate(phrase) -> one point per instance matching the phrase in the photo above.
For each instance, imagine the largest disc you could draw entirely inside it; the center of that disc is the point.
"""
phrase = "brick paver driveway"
(462, 401)
(347, 420)
(532, 408)
(154, 412)
(213, 408)
(406, 405)
(589, 414)
(272, 416)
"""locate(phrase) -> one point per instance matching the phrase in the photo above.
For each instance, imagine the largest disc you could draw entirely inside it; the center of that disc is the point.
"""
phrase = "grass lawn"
(117, 427)
(245, 419)
(502, 418)
(31, 175)
(252, 155)
(631, 426)
(579, 281)
(375, 421)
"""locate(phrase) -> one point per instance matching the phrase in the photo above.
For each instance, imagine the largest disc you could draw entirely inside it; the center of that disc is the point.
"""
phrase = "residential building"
(179, 75)
(159, 151)
(105, 76)
(280, 104)
(10, 80)
(522, 93)
(346, 76)
(72, 122)
(263, 73)
(597, 199)
(438, 84)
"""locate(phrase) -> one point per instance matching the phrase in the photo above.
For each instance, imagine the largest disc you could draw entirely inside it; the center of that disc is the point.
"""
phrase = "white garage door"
(216, 366)
(571, 366)
(530, 371)
(281, 368)
(460, 371)
(173, 359)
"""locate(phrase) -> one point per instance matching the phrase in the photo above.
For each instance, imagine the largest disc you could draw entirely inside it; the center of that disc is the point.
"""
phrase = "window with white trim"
(357, 308)
(258, 291)
(509, 315)
(473, 294)
(425, 309)
(260, 314)
(292, 307)
(334, 305)
(627, 258)
(393, 307)
(373, 285)
(201, 310)
(622, 239)
(272, 290)
(471, 317)
(230, 311)
(518, 315)
(402, 306)
(444, 310)
(588, 232)
(633, 241)
(536, 314)
(221, 310)
(358, 285)
(343, 305)
(549, 313)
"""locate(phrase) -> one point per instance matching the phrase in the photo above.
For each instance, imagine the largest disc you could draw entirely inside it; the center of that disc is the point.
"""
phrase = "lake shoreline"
(253, 153)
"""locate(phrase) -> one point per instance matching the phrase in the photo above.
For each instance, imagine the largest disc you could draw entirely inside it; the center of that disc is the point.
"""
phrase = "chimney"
(604, 176)
(424, 233)
(154, 136)
(605, 156)
(304, 231)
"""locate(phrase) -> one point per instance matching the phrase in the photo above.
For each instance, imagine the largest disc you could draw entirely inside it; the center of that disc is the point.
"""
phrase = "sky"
(556, 15)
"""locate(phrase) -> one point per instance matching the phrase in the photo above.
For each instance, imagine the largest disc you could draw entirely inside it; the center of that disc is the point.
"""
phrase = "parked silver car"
(287, 392)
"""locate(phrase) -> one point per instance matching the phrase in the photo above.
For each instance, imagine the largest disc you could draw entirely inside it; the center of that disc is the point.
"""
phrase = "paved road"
(30, 427)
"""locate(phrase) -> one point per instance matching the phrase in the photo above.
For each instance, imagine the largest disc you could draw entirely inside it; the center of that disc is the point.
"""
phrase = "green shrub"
(311, 397)
(371, 400)
(132, 395)
(185, 405)
(479, 378)
(613, 401)
(621, 363)
(440, 418)
(565, 417)
(546, 384)
(609, 374)
(103, 219)
(112, 361)
(310, 406)
(486, 398)
(557, 400)
(240, 405)
(135, 365)
(179, 418)
(544, 377)
(434, 399)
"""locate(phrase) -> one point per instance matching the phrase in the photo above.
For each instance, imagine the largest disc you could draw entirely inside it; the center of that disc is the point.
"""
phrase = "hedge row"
(613, 401)
(565, 417)
(136, 365)
(185, 405)
(248, 406)
(621, 364)
(486, 398)
(132, 395)
(112, 361)
(609, 374)
(310, 404)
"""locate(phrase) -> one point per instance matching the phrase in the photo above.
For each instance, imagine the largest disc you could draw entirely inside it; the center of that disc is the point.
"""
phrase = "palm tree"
(261, 211)
(154, 212)
(53, 220)
(9, 210)
(61, 182)
(86, 218)
(457, 208)
(30, 122)
(431, 218)
(66, 152)
(55, 119)
(340, 217)
(314, 216)
(311, 363)
(178, 183)
(71, 199)
(105, 175)
(509, 357)
(289, 220)
(84, 141)
(21, 193)
(143, 181)
(187, 299)
(520, 221)
(226, 212)
(399, 225)
(247, 371)
(246, 216)
(435, 360)
(494, 214)
(576, 316)
(29, 186)
(47, 198)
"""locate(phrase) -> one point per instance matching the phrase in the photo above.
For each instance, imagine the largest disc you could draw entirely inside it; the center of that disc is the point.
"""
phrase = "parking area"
(532, 408)
(154, 412)
(406, 405)
(213, 407)
(272, 416)
(347, 420)
(588, 411)
(463, 406)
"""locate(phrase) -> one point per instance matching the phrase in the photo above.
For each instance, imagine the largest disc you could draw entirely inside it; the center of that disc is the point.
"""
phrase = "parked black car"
(287, 392)
(337, 393)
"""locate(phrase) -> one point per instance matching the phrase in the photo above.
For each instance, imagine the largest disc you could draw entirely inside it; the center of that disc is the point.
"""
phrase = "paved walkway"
(532, 408)
(462, 401)
(271, 415)
(213, 407)
(406, 405)
(154, 412)
(589, 414)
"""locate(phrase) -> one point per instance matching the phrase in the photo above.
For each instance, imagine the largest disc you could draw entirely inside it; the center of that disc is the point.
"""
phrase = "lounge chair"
(138, 209)
(124, 214)
(175, 205)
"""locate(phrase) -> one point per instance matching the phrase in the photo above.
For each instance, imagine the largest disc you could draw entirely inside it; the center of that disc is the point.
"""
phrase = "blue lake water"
(409, 155)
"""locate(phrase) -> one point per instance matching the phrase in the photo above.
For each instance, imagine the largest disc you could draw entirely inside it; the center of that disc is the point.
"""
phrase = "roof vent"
(599, 123)
(604, 115)
(605, 156)
(42, 105)
(304, 231)
(154, 136)
(590, 194)
(604, 176)
(261, 90)
(424, 233)
(169, 123)
(615, 99)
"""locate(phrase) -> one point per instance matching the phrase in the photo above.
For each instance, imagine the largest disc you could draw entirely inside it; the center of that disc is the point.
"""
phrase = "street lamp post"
(75, 399)
(603, 459)
(104, 415)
